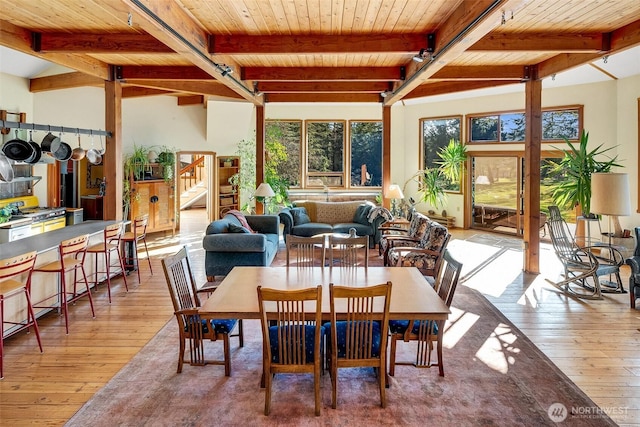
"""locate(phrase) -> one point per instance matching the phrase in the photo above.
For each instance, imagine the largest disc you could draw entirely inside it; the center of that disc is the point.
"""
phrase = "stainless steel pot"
(64, 152)
(50, 143)
(6, 171)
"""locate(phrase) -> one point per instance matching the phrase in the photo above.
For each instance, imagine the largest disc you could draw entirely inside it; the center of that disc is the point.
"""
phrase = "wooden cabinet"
(227, 195)
(156, 198)
(92, 207)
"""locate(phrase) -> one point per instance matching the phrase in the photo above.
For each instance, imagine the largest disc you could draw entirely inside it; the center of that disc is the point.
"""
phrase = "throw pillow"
(300, 216)
(361, 215)
(243, 221)
(237, 229)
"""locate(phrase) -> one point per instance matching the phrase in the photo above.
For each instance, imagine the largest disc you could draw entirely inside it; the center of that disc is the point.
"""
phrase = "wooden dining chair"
(348, 251)
(291, 336)
(132, 239)
(359, 338)
(193, 329)
(307, 251)
(426, 332)
(71, 255)
(15, 280)
(110, 243)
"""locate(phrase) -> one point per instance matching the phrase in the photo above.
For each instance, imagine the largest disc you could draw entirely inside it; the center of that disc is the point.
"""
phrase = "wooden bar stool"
(138, 233)
(13, 283)
(71, 255)
(112, 234)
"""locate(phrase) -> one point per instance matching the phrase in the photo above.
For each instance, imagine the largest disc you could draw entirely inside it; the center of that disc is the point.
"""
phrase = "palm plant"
(576, 167)
(452, 156)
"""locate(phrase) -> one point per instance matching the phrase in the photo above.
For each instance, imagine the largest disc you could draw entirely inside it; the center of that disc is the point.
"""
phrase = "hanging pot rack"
(5, 124)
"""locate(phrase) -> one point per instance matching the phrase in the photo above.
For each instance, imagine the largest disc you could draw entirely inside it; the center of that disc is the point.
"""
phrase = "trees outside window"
(325, 154)
(436, 135)
(366, 154)
(289, 135)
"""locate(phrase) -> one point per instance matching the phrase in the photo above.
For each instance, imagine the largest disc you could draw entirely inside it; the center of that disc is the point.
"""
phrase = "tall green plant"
(430, 186)
(576, 167)
(452, 158)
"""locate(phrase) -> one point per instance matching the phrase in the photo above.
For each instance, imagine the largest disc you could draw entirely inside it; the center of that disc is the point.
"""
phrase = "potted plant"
(167, 160)
(576, 167)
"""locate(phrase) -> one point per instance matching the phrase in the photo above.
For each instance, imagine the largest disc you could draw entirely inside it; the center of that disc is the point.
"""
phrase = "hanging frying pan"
(17, 149)
(37, 151)
(94, 156)
(6, 171)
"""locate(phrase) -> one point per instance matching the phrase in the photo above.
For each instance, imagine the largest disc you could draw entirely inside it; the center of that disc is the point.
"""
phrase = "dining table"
(412, 297)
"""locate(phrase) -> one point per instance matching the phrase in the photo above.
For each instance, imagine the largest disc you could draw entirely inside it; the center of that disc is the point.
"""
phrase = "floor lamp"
(394, 193)
(264, 191)
(610, 196)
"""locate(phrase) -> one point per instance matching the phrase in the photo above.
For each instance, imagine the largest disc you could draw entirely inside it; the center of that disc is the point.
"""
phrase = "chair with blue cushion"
(193, 329)
(425, 332)
(358, 332)
(291, 335)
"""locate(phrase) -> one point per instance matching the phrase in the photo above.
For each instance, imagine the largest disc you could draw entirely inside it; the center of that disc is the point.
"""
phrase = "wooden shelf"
(447, 221)
(227, 196)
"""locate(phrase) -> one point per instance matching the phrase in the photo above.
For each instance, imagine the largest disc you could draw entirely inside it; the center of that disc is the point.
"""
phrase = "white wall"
(610, 114)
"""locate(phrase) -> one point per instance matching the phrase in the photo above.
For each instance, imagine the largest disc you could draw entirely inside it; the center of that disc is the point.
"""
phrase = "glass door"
(496, 200)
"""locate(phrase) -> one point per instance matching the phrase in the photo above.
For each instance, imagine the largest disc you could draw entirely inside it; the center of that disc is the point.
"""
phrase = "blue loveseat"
(227, 244)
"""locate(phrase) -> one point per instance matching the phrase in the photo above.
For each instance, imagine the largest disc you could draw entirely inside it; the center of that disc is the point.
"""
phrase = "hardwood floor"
(596, 343)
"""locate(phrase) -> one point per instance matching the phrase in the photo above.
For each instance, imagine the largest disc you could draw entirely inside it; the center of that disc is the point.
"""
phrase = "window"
(286, 136)
(366, 154)
(436, 134)
(325, 154)
(557, 124)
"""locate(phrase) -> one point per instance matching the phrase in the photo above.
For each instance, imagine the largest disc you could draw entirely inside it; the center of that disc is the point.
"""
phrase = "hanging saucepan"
(50, 143)
(17, 149)
(64, 152)
(94, 156)
(78, 152)
(37, 152)
(6, 171)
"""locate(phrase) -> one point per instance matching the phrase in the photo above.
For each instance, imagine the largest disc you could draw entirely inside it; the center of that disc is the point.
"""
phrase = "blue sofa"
(226, 245)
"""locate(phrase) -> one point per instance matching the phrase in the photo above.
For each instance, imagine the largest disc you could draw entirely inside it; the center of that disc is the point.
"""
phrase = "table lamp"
(264, 190)
(610, 196)
(394, 193)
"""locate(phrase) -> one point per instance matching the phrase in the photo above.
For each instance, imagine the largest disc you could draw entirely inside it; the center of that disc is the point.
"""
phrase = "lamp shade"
(610, 194)
(395, 192)
(264, 190)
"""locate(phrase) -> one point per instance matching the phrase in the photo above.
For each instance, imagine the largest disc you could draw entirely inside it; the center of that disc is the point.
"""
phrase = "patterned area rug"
(494, 376)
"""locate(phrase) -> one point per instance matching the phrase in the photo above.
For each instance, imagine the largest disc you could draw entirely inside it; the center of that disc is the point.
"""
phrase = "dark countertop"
(51, 239)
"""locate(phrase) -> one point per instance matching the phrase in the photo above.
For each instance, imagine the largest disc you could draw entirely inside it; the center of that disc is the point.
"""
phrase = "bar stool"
(71, 255)
(138, 233)
(12, 283)
(111, 242)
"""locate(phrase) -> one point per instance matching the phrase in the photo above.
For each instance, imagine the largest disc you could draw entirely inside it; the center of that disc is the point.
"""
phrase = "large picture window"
(509, 127)
(436, 134)
(366, 154)
(325, 154)
(289, 136)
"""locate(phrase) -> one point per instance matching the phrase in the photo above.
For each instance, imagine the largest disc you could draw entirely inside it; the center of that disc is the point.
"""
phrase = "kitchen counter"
(50, 240)
(16, 222)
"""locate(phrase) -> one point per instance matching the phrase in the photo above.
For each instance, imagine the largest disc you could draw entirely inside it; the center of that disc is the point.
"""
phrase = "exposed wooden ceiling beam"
(98, 43)
(486, 72)
(173, 26)
(328, 87)
(212, 88)
(64, 81)
(139, 92)
(470, 22)
(322, 97)
(322, 73)
(316, 44)
(190, 100)
(131, 73)
(542, 42)
(442, 88)
(19, 39)
(621, 39)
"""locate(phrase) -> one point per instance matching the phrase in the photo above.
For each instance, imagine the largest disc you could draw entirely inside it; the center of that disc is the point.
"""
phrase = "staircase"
(192, 181)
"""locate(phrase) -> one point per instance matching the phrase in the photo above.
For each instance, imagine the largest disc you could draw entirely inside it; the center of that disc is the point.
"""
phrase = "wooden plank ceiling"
(313, 50)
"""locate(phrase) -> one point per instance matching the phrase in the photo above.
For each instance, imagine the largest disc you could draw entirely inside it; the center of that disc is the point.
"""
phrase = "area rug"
(494, 376)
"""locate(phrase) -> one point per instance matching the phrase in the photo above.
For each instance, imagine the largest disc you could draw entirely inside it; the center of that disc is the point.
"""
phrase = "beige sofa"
(309, 218)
